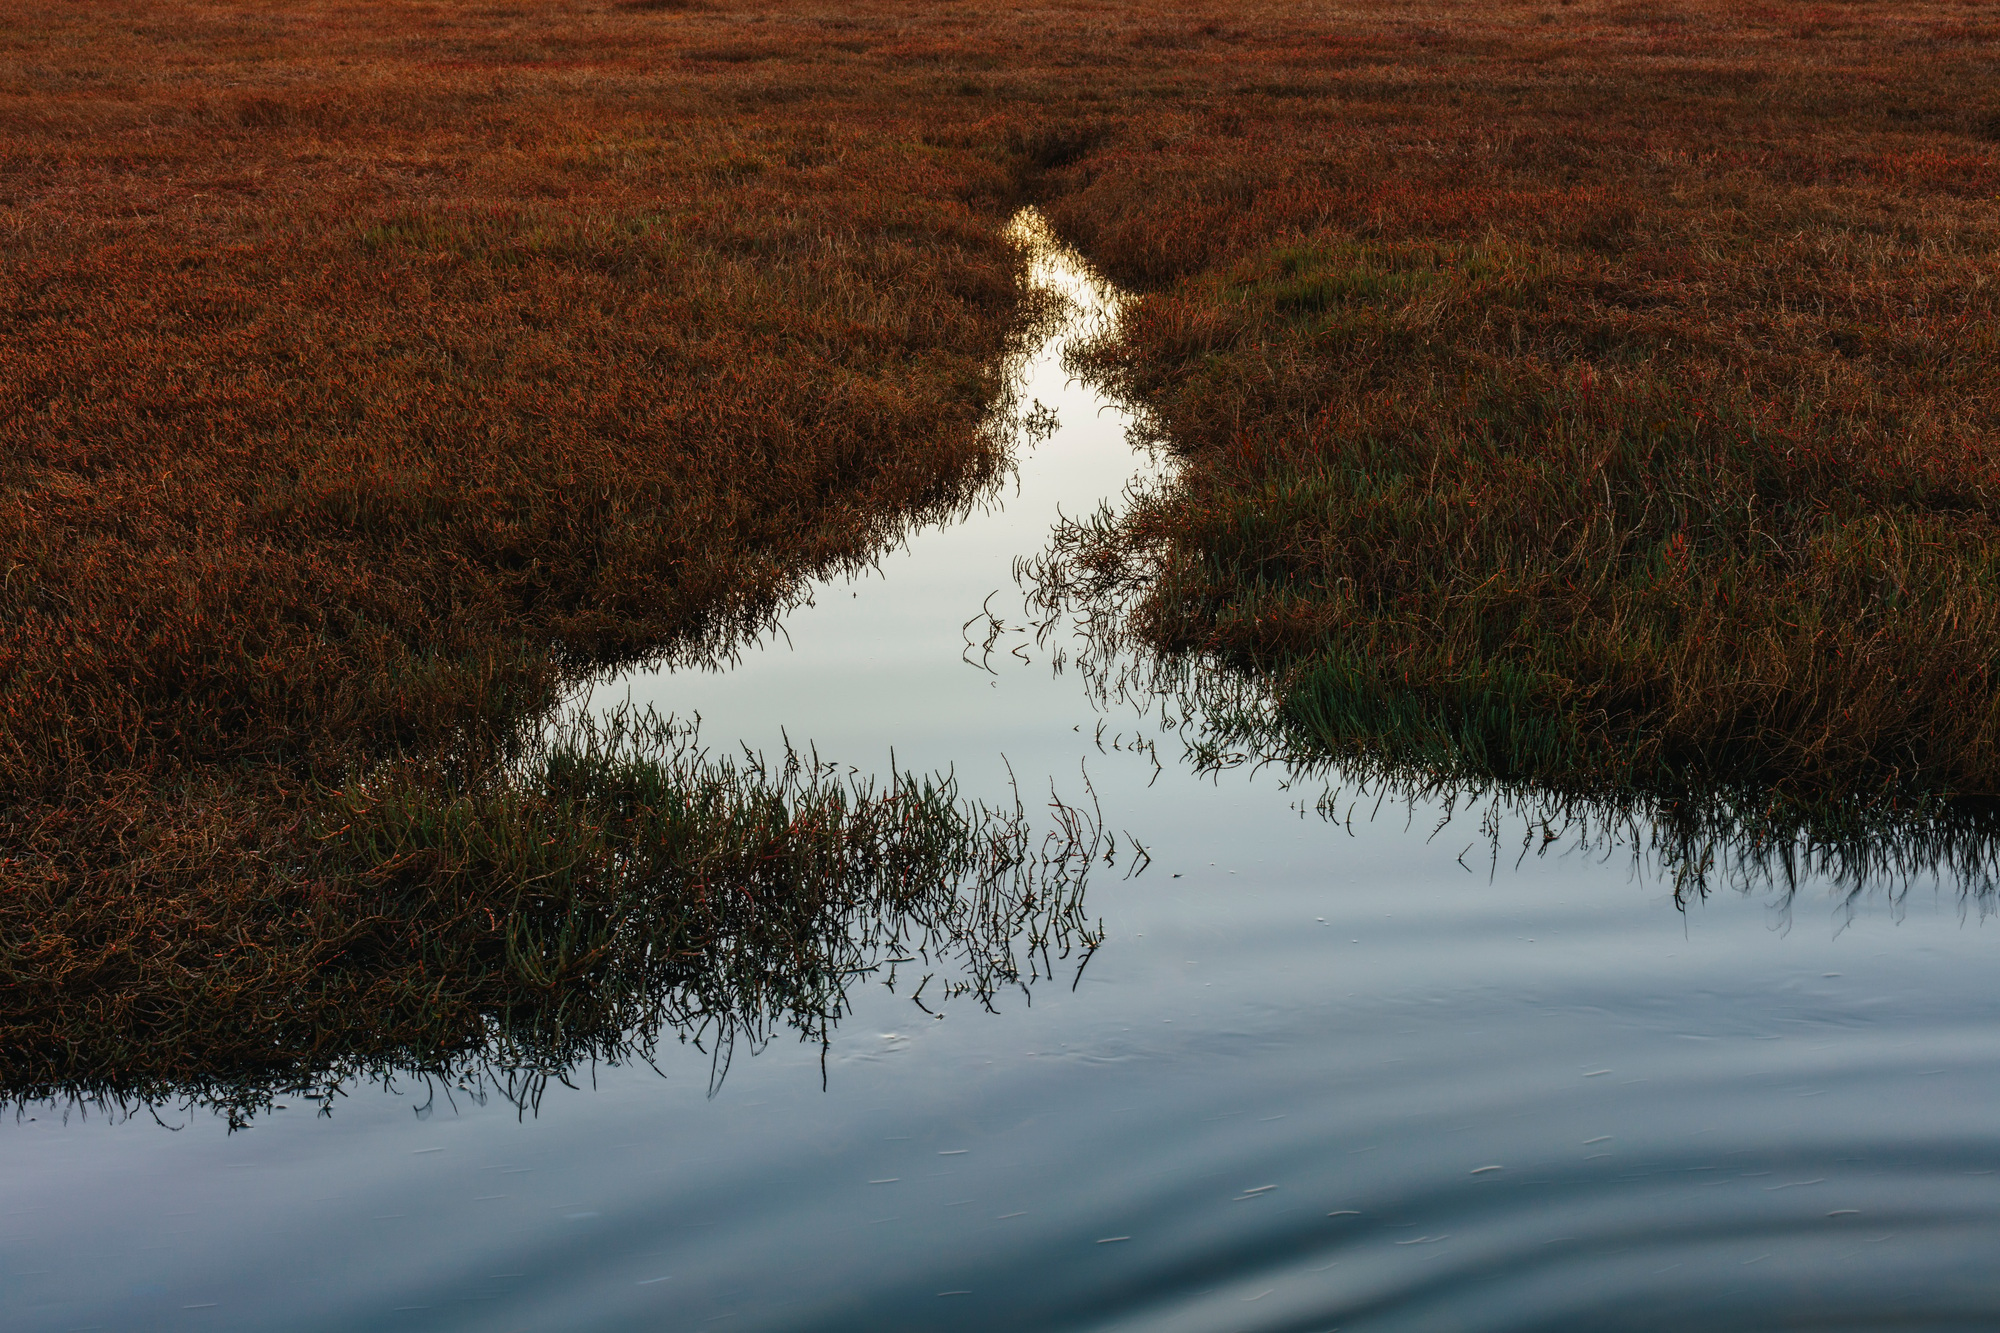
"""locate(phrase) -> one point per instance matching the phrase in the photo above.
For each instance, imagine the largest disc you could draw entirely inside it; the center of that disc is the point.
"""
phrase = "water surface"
(1320, 1075)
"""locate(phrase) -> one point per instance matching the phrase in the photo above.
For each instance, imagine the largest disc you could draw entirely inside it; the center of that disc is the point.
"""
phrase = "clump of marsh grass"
(1367, 750)
(613, 885)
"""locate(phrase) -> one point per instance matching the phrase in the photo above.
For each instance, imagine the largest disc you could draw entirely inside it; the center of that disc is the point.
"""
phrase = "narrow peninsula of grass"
(613, 885)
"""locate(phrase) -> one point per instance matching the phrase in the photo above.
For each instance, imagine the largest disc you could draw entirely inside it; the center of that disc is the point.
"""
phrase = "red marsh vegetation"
(1601, 394)
(1574, 390)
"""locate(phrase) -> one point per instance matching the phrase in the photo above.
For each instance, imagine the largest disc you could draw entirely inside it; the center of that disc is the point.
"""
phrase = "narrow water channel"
(1319, 1075)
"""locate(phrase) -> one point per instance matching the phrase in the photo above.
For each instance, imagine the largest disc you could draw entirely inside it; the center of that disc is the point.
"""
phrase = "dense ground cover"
(369, 371)
(1594, 391)
(1600, 395)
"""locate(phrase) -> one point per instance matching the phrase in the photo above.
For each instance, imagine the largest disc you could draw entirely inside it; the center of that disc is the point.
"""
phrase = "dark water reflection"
(1386, 1074)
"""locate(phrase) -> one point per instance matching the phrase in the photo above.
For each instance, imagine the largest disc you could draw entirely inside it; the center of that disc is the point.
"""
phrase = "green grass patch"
(613, 886)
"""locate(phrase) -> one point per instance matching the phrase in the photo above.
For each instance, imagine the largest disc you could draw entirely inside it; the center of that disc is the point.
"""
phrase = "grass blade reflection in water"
(1098, 587)
(616, 883)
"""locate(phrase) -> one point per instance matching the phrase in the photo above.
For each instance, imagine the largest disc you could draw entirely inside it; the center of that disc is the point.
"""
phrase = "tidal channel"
(1351, 1072)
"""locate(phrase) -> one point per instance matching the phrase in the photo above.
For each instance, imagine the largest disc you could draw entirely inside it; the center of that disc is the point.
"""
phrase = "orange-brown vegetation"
(1608, 395)
(367, 371)
(1586, 386)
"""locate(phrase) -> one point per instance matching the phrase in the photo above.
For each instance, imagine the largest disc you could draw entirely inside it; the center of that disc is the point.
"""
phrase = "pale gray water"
(1314, 1079)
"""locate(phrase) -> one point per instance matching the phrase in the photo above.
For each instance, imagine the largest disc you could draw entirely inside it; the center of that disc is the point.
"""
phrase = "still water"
(1320, 1074)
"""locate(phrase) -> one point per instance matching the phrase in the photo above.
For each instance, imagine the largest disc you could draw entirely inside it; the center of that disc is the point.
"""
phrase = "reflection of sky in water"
(880, 661)
(1314, 1079)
